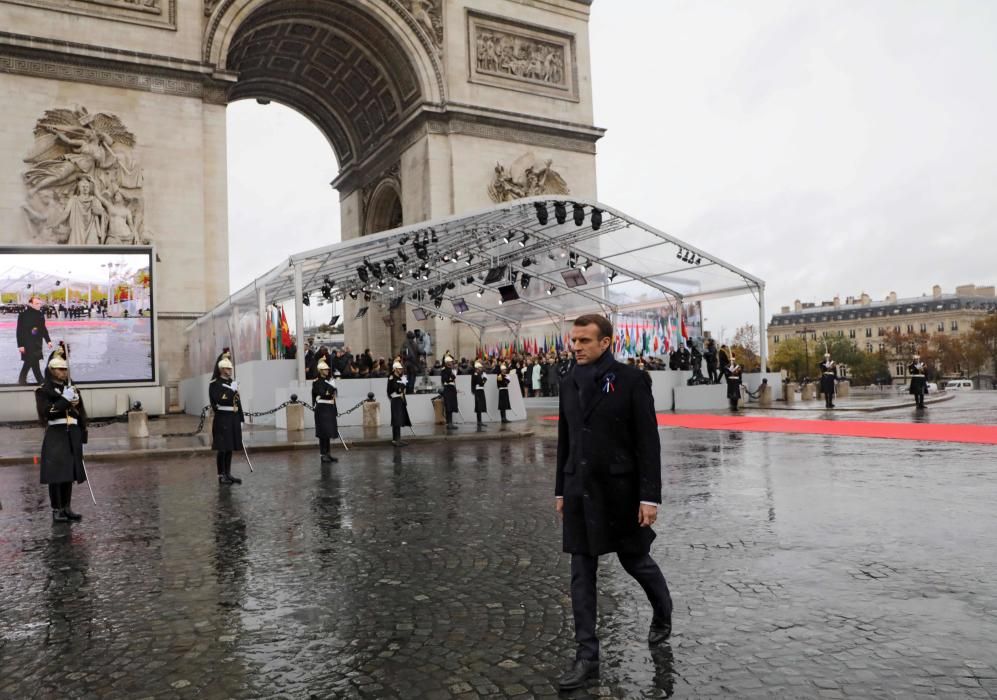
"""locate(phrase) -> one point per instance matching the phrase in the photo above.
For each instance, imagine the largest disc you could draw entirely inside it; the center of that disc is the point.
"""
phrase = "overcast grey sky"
(829, 148)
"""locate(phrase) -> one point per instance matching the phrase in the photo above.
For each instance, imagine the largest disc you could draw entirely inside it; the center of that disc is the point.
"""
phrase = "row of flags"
(635, 336)
(278, 334)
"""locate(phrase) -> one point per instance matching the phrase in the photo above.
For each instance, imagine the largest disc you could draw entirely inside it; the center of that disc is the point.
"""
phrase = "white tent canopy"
(559, 270)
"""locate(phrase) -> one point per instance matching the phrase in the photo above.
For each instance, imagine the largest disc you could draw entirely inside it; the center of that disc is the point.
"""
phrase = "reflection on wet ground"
(801, 566)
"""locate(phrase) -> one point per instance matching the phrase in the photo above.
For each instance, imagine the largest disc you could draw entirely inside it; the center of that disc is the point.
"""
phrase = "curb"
(123, 455)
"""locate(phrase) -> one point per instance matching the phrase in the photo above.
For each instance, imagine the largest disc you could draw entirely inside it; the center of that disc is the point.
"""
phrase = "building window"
(868, 347)
(882, 347)
(775, 339)
(823, 334)
(851, 332)
(841, 334)
(868, 332)
(910, 327)
(896, 329)
(941, 326)
(881, 332)
(955, 325)
(900, 369)
(813, 336)
(924, 327)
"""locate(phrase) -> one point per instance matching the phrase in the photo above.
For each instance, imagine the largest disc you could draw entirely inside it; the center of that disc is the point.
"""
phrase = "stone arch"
(383, 209)
(359, 70)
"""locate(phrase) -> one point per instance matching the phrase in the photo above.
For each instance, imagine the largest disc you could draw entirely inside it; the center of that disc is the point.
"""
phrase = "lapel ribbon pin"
(609, 386)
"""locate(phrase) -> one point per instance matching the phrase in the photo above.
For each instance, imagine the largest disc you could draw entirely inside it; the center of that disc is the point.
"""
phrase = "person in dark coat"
(326, 411)
(685, 358)
(478, 380)
(61, 410)
(828, 379)
(732, 373)
(918, 381)
(710, 355)
(697, 364)
(607, 485)
(502, 382)
(226, 423)
(723, 362)
(397, 387)
(31, 331)
(449, 380)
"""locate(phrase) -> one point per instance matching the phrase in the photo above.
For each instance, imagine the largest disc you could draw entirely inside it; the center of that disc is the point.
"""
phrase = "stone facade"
(420, 99)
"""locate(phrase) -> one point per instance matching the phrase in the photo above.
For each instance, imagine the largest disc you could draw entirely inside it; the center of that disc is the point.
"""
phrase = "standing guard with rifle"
(326, 412)
(61, 410)
(478, 380)
(226, 424)
(828, 379)
(732, 373)
(449, 379)
(918, 381)
(502, 382)
(397, 386)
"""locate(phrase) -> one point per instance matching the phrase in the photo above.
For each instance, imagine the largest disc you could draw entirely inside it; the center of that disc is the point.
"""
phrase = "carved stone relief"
(521, 57)
(84, 181)
(526, 177)
(429, 15)
(156, 13)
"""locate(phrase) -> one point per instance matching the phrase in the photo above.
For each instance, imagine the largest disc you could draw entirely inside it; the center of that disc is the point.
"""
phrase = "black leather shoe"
(506, 421)
(234, 479)
(659, 632)
(59, 516)
(327, 458)
(580, 673)
(399, 443)
(451, 426)
(71, 515)
(222, 479)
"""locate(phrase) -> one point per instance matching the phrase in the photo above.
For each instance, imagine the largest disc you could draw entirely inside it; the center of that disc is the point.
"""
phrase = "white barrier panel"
(702, 397)
(100, 403)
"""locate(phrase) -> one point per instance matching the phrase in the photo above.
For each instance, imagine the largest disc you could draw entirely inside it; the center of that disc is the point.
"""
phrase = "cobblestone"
(801, 566)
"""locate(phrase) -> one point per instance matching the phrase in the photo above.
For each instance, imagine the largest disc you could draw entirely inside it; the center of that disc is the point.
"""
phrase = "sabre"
(345, 447)
(246, 452)
(87, 477)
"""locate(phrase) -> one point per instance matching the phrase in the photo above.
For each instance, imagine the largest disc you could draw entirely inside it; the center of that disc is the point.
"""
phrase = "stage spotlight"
(612, 275)
(425, 273)
(469, 259)
(524, 281)
(402, 256)
(391, 286)
(451, 285)
(390, 267)
(578, 214)
(437, 302)
(541, 213)
(362, 274)
(596, 219)
(560, 212)
(506, 237)
(446, 257)
(366, 297)
(527, 262)
(679, 254)
(481, 292)
(550, 290)
(403, 240)
(328, 281)
(587, 265)
(433, 234)
(305, 299)
(699, 260)
(522, 243)
(354, 294)
(514, 276)
(469, 280)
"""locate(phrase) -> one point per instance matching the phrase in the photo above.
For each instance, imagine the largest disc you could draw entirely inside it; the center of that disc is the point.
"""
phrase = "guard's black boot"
(580, 673)
(233, 479)
(224, 479)
(59, 516)
(70, 515)
(504, 419)
(399, 443)
(659, 632)
(327, 458)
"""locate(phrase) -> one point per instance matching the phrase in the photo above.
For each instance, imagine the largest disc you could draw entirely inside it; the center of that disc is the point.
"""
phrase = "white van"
(959, 385)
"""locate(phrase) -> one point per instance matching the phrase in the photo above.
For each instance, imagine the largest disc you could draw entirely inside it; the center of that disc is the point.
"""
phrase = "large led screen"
(98, 301)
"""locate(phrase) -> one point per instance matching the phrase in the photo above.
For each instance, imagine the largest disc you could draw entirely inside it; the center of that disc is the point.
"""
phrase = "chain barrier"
(204, 414)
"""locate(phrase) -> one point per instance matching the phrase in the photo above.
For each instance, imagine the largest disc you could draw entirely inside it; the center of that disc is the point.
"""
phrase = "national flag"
(685, 332)
(285, 332)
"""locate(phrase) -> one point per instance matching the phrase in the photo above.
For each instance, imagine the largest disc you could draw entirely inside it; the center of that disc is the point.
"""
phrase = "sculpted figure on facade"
(505, 54)
(429, 14)
(84, 182)
(527, 177)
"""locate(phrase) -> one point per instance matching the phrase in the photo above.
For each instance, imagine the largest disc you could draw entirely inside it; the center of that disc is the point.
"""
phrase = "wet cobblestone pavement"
(801, 566)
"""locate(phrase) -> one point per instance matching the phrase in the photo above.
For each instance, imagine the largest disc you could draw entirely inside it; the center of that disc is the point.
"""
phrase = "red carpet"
(927, 432)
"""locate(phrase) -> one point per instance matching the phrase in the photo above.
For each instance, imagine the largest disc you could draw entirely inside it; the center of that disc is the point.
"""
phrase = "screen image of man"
(608, 485)
(31, 333)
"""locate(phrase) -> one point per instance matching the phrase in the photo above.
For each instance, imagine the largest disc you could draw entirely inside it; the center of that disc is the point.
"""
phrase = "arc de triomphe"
(432, 107)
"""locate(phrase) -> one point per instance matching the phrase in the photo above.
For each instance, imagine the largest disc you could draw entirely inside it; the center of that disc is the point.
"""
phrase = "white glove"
(234, 384)
(69, 393)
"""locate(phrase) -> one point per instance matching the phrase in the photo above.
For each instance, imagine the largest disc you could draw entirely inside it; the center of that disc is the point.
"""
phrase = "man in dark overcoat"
(448, 377)
(723, 362)
(326, 411)
(397, 387)
(828, 379)
(226, 423)
(61, 411)
(31, 332)
(608, 485)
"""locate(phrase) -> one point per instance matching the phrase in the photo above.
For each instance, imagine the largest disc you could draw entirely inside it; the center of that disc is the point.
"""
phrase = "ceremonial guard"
(397, 386)
(478, 380)
(226, 424)
(828, 379)
(918, 381)
(502, 382)
(326, 411)
(60, 408)
(449, 378)
(732, 373)
(607, 485)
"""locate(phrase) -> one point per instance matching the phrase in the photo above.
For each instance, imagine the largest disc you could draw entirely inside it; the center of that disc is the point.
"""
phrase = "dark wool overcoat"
(226, 426)
(828, 375)
(733, 382)
(502, 382)
(918, 382)
(608, 461)
(326, 414)
(31, 332)
(449, 380)
(62, 446)
(399, 407)
(478, 379)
